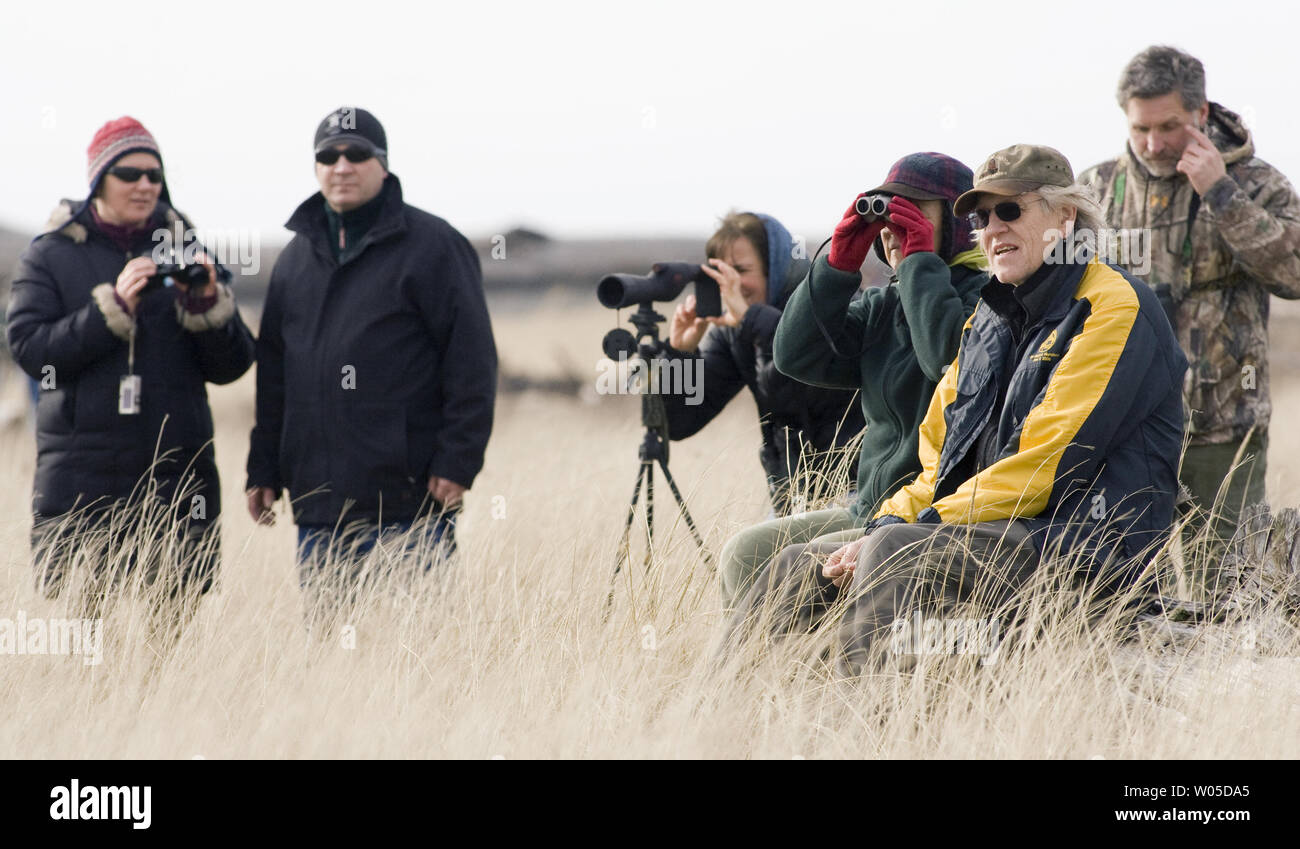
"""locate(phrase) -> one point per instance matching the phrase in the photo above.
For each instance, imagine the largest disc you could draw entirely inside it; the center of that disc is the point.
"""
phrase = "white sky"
(603, 119)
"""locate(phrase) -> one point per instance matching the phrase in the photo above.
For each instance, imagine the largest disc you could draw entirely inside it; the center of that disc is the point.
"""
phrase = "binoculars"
(872, 207)
(190, 275)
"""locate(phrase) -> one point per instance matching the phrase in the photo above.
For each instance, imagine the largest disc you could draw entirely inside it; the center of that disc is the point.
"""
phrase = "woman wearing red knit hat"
(126, 479)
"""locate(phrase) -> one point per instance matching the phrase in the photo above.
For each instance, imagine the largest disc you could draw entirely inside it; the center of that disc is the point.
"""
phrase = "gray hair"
(1159, 70)
(1088, 214)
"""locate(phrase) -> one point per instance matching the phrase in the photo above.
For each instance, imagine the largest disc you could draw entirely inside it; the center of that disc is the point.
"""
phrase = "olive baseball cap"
(1015, 170)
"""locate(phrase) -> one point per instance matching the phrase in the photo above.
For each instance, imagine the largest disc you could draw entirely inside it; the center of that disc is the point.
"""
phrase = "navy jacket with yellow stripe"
(1089, 430)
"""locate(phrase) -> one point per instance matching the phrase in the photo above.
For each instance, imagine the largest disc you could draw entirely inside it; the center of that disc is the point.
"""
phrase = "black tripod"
(654, 443)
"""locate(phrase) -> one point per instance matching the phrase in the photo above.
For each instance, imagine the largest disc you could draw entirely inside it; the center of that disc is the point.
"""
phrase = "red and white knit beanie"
(113, 141)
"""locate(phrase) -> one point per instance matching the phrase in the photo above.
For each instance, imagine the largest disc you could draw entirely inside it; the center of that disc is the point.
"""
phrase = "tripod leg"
(649, 511)
(686, 514)
(624, 550)
(627, 526)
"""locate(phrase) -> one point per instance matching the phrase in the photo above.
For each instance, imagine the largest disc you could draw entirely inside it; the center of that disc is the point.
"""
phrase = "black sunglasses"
(352, 154)
(129, 175)
(1008, 210)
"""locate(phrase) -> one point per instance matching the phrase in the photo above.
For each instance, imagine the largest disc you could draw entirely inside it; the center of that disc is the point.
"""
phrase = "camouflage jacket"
(1214, 260)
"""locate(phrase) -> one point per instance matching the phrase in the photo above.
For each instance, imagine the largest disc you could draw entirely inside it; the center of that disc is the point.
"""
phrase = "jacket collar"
(308, 220)
(1046, 296)
(1230, 134)
(72, 220)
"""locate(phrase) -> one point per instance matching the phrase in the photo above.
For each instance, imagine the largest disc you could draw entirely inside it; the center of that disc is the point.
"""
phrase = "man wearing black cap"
(376, 369)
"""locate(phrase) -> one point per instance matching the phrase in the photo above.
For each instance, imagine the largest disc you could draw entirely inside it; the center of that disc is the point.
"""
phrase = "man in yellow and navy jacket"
(1055, 434)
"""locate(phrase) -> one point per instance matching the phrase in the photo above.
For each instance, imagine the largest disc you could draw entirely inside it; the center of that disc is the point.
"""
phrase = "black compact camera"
(872, 207)
(190, 275)
(665, 282)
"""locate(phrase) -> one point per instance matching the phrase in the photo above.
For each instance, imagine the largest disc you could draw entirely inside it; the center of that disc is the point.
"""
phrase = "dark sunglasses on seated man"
(128, 174)
(353, 154)
(1007, 211)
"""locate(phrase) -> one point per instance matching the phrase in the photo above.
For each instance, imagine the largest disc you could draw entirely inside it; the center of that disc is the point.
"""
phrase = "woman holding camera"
(122, 355)
(751, 257)
(893, 343)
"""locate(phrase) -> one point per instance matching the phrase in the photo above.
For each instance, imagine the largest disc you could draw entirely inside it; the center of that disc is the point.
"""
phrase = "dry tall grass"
(513, 656)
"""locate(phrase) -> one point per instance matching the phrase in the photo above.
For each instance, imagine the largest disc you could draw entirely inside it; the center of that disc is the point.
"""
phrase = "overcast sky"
(601, 119)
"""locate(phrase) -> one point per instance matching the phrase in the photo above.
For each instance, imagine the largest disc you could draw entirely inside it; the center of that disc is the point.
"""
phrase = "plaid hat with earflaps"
(931, 176)
(927, 176)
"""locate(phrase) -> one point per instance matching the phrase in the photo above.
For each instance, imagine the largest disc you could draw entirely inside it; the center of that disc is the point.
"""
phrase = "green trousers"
(1220, 491)
(748, 552)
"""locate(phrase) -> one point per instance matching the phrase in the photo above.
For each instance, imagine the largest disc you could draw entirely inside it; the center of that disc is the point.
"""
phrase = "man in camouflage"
(1220, 230)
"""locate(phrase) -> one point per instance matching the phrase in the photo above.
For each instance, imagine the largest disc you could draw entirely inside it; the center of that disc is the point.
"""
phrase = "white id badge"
(128, 395)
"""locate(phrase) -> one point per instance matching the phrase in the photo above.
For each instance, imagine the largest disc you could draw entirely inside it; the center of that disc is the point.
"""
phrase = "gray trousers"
(746, 554)
(903, 572)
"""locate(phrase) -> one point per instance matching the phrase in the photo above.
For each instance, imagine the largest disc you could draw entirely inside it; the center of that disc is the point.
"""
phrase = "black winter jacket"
(374, 374)
(68, 331)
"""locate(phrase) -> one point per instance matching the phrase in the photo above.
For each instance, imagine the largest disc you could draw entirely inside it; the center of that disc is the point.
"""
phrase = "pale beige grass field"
(513, 656)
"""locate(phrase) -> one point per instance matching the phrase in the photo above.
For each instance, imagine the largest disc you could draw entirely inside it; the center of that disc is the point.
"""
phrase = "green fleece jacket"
(897, 341)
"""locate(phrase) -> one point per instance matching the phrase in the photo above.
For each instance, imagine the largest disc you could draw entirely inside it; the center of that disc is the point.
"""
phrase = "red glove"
(909, 224)
(852, 238)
